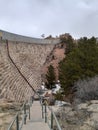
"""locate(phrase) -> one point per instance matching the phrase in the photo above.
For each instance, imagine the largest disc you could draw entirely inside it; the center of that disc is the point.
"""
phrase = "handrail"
(12, 122)
(25, 114)
(44, 116)
(59, 128)
(45, 105)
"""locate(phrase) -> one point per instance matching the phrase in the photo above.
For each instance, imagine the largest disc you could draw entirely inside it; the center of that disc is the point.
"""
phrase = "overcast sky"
(37, 17)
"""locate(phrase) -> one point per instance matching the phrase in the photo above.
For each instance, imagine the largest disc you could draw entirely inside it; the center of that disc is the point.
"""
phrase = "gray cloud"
(35, 17)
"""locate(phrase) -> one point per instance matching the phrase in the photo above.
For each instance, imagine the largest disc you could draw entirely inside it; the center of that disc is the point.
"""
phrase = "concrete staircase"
(36, 122)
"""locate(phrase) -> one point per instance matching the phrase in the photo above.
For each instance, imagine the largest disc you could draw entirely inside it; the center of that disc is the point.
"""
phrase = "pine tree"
(50, 76)
(68, 40)
(80, 63)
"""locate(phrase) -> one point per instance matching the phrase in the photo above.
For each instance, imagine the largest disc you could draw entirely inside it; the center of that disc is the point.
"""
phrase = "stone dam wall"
(29, 58)
(19, 38)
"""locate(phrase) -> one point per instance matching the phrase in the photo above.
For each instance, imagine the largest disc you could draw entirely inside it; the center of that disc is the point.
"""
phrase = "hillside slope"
(56, 55)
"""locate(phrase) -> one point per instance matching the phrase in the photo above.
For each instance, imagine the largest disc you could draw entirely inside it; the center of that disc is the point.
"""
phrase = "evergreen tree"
(50, 76)
(68, 40)
(80, 63)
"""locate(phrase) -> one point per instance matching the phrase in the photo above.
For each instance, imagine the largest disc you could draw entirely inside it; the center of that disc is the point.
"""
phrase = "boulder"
(83, 116)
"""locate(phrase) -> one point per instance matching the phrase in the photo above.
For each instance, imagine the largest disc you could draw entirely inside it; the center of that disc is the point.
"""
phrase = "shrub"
(59, 96)
(87, 89)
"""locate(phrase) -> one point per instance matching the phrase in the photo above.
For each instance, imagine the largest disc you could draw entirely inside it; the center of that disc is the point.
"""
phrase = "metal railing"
(21, 117)
(52, 121)
(25, 110)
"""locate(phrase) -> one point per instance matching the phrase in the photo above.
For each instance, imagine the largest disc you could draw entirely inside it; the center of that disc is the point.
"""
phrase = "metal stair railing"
(18, 121)
(53, 121)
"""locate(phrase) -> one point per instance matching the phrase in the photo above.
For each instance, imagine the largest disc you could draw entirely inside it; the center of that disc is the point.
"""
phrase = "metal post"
(32, 99)
(45, 113)
(29, 112)
(40, 100)
(51, 120)
(17, 122)
(42, 112)
(24, 113)
(30, 102)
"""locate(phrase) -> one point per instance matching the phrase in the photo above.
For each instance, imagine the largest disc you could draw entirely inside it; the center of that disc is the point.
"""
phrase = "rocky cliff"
(56, 55)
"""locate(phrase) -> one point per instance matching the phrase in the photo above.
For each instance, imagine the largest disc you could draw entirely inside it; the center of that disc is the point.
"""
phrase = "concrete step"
(36, 122)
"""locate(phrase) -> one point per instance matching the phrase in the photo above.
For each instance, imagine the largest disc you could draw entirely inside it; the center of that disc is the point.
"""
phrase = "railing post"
(40, 100)
(45, 113)
(17, 122)
(51, 120)
(42, 112)
(24, 113)
(29, 112)
(32, 99)
(30, 102)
